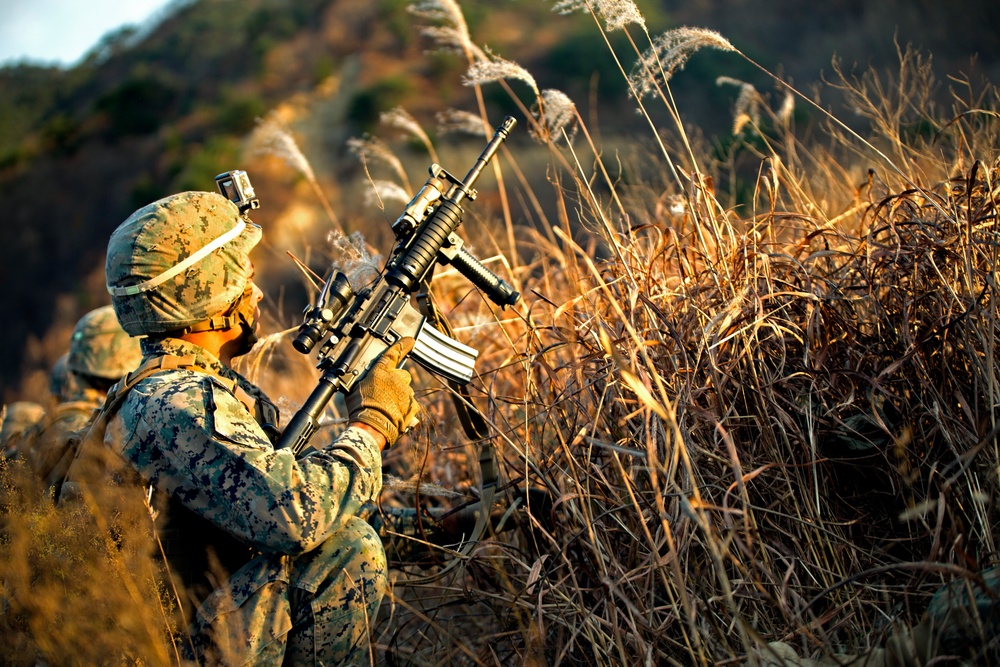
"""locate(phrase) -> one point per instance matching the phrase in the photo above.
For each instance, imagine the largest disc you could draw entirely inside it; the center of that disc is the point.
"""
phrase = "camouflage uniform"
(100, 353)
(63, 383)
(15, 419)
(306, 573)
(320, 573)
(961, 627)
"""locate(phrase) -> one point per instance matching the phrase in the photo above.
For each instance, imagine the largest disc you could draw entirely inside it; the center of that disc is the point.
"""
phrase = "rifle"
(358, 326)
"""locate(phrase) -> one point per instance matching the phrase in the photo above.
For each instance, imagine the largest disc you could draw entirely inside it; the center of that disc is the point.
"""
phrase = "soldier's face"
(248, 330)
(257, 295)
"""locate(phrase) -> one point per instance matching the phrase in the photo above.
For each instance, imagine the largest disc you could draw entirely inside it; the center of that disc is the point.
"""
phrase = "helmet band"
(181, 266)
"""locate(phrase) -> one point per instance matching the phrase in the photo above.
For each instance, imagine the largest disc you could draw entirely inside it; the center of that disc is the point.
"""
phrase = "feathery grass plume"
(372, 149)
(668, 54)
(616, 13)
(747, 107)
(495, 68)
(555, 113)
(271, 137)
(402, 120)
(456, 121)
(382, 192)
(787, 108)
(453, 34)
(352, 256)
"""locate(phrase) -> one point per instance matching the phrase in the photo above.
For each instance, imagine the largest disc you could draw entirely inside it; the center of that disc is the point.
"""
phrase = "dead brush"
(771, 427)
(778, 439)
(746, 421)
(79, 586)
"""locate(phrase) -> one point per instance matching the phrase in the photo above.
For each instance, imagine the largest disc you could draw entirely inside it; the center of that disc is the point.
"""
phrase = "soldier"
(305, 573)
(15, 419)
(100, 354)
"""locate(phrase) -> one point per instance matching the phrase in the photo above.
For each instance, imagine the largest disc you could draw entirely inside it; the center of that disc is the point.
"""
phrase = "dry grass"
(749, 418)
(79, 586)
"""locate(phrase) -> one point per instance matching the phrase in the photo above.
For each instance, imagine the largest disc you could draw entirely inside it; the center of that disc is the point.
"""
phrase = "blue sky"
(62, 31)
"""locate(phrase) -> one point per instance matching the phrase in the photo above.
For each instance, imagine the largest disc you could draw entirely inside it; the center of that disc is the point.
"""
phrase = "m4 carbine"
(357, 327)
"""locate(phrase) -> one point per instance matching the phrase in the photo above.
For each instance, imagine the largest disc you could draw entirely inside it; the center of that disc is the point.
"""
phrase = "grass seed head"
(556, 113)
(383, 192)
(400, 119)
(747, 107)
(456, 121)
(372, 149)
(616, 13)
(496, 68)
(668, 54)
(352, 256)
(271, 137)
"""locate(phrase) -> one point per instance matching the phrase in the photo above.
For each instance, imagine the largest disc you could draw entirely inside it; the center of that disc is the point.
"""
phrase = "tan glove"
(382, 398)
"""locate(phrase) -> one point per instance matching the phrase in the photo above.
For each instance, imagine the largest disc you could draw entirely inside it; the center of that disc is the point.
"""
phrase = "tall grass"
(756, 417)
(753, 394)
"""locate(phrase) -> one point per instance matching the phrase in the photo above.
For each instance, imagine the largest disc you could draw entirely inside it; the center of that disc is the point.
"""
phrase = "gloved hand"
(382, 398)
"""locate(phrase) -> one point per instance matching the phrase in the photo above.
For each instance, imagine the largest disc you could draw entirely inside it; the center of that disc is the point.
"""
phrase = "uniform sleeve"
(196, 441)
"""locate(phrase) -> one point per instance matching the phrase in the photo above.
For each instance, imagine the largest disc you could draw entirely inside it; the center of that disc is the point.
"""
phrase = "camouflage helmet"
(99, 347)
(178, 262)
(17, 417)
(62, 383)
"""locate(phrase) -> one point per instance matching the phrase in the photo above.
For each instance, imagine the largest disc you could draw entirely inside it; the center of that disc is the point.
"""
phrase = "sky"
(62, 31)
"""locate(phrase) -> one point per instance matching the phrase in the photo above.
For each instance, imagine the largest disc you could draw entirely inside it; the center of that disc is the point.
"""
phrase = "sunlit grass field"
(754, 390)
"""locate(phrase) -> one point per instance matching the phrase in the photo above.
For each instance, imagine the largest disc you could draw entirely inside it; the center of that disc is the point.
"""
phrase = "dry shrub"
(744, 418)
(780, 432)
(744, 428)
(79, 586)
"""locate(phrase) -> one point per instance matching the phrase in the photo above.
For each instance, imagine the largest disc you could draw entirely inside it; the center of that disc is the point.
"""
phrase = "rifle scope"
(334, 297)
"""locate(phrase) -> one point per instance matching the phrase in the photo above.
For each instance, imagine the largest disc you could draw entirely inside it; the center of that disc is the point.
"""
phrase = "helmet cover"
(100, 347)
(179, 261)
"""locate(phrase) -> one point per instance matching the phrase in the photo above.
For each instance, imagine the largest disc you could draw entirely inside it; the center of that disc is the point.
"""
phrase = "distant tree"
(138, 106)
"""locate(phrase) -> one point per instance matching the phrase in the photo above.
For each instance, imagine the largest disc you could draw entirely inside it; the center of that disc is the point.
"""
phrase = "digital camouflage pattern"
(64, 385)
(15, 419)
(961, 627)
(164, 234)
(50, 446)
(99, 351)
(320, 575)
(101, 348)
(964, 618)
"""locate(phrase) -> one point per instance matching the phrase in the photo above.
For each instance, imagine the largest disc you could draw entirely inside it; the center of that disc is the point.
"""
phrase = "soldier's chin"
(247, 340)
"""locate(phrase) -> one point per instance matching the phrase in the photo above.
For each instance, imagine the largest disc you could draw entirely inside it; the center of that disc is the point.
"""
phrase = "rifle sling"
(476, 429)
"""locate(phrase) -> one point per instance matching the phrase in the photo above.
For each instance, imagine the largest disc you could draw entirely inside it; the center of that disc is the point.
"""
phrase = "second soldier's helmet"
(62, 383)
(181, 263)
(99, 347)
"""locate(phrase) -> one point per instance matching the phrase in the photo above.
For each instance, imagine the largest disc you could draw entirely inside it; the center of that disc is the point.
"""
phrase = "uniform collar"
(158, 347)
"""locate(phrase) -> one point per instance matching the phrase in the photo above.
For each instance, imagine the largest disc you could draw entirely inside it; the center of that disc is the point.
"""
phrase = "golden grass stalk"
(271, 137)
(401, 119)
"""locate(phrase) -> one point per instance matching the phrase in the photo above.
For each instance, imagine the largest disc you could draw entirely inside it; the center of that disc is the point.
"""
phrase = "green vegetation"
(138, 105)
(368, 104)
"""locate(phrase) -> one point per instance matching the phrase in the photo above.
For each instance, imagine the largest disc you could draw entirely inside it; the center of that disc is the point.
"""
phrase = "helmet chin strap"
(246, 311)
(241, 313)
